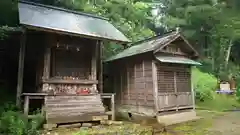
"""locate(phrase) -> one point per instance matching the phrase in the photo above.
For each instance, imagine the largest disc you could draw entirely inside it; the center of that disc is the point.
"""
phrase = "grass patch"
(219, 103)
(198, 127)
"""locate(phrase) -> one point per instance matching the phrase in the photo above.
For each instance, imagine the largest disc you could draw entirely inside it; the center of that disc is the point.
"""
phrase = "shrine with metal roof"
(60, 60)
(153, 76)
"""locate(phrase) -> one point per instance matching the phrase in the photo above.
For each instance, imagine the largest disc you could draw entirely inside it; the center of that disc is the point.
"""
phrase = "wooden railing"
(41, 96)
(112, 97)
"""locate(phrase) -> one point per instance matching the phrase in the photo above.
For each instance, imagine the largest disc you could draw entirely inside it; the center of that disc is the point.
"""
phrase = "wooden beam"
(192, 91)
(135, 86)
(175, 88)
(21, 68)
(47, 63)
(113, 106)
(53, 55)
(128, 82)
(26, 105)
(121, 89)
(155, 86)
(100, 72)
(144, 82)
(94, 62)
(59, 81)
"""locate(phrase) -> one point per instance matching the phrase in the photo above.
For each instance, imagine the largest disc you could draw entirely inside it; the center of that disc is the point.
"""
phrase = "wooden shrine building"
(62, 48)
(153, 76)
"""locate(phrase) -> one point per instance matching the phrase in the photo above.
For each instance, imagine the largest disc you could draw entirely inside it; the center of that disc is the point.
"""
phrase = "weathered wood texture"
(70, 68)
(100, 67)
(21, 68)
(174, 48)
(75, 64)
(72, 57)
(62, 88)
(174, 87)
(133, 83)
(64, 109)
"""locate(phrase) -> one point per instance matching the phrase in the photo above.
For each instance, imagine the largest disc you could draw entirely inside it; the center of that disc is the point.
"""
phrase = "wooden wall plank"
(72, 106)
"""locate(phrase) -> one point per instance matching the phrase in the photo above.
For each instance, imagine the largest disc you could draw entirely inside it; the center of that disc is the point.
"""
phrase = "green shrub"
(238, 90)
(204, 84)
(34, 124)
(13, 122)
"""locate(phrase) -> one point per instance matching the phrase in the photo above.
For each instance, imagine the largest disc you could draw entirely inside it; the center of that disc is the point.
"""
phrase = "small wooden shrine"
(66, 46)
(153, 76)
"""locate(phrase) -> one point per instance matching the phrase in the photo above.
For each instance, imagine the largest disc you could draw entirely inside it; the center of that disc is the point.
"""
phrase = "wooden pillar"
(128, 84)
(135, 91)
(155, 86)
(47, 63)
(121, 90)
(113, 106)
(192, 90)
(175, 89)
(21, 68)
(94, 62)
(100, 69)
(144, 83)
(26, 105)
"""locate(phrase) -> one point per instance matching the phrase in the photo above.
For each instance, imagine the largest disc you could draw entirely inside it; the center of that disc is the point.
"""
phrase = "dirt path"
(212, 124)
(228, 124)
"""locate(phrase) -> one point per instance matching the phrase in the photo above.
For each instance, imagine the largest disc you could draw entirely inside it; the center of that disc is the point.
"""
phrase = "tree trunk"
(228, 54)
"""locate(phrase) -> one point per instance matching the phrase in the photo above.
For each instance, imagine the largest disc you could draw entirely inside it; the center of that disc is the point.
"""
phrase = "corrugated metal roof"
(58, 19)
(178, 60)
(145, 46)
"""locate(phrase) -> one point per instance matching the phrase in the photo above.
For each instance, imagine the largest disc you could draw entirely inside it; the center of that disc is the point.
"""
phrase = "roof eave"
(110, 60)
(73, 34)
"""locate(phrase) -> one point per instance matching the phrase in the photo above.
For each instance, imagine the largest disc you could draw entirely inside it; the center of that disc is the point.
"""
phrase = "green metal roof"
(178, 60)
(144, 46)
(62, 20)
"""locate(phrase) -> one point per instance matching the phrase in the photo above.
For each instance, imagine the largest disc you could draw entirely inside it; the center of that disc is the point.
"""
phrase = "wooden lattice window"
(183, 81)
(165, 81)
(173, 78)
(71, 63)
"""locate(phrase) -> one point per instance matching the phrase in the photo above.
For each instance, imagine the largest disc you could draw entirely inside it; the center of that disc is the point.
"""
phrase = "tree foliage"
(213, 26)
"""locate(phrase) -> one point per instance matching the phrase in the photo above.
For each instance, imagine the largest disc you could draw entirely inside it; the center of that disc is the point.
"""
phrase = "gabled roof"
(151, 44)
(67, 21)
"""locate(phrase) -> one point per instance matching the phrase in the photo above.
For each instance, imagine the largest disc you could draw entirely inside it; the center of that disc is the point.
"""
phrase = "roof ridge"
(153, 37)
(62, 9)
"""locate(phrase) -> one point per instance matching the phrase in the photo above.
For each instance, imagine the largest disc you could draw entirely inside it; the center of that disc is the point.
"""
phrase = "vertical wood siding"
(133, 83)
(174, 87)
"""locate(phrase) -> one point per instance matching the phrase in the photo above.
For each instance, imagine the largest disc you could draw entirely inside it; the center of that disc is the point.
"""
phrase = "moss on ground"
(199, 127)
(126, 128)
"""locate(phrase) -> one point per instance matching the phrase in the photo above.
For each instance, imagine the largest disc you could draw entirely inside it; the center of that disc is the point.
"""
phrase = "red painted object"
(82, 91)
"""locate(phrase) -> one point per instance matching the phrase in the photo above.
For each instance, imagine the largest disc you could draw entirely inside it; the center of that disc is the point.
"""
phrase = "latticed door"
(174, 87)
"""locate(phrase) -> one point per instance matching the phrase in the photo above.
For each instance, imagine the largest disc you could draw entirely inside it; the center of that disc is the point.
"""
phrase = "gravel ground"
(212, 124)
(228, 124)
